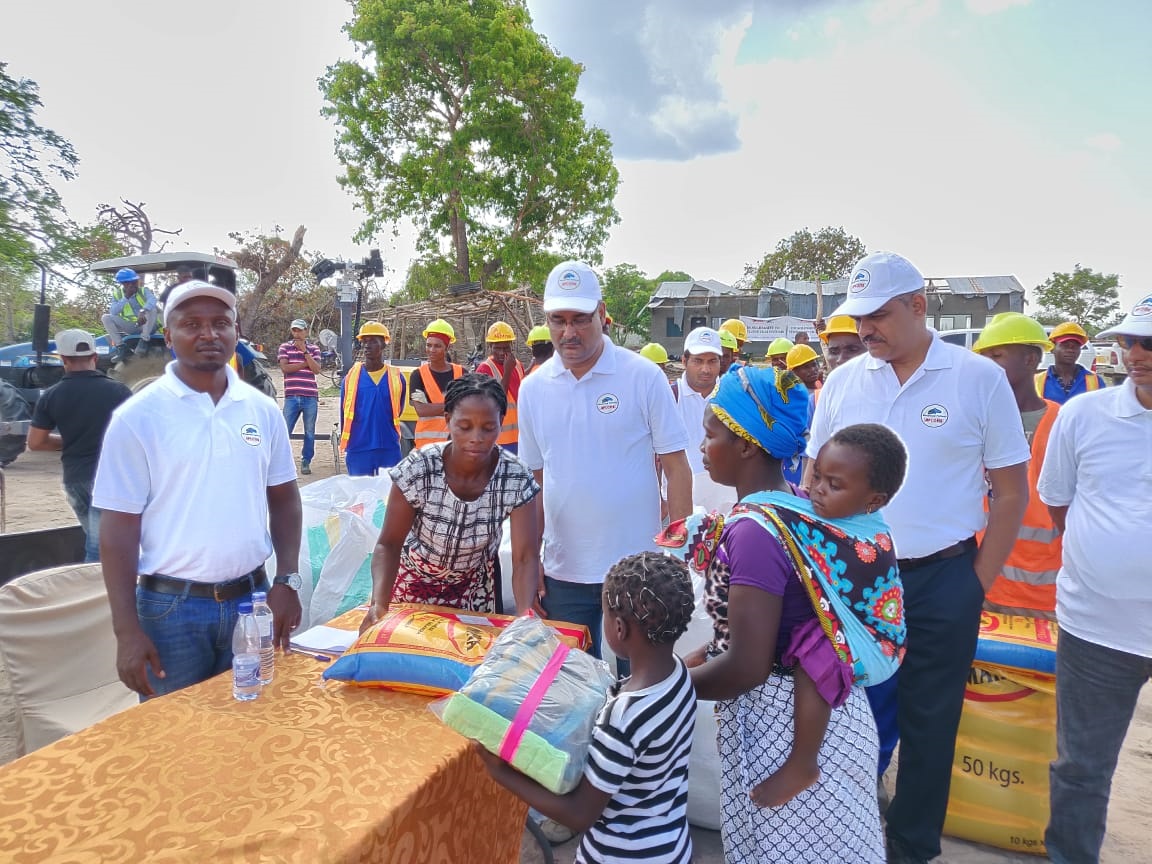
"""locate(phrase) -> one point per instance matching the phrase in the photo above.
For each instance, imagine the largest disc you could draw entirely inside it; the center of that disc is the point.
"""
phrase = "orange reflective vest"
(1091, 382)
(510, 431)
(433, 430)
(352, 384)
(1028, 579)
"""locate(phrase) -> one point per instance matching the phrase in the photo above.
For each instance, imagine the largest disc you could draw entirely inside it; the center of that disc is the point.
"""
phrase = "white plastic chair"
(59, 652)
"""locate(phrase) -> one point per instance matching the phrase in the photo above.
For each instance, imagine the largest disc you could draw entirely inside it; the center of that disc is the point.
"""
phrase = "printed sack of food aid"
(427, 650)
(533, 702)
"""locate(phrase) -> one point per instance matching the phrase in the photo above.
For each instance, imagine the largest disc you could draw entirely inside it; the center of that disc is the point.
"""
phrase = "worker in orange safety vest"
(429, 381)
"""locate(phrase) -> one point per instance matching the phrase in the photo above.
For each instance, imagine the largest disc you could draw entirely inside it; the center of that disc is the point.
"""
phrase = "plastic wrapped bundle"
(533, 702)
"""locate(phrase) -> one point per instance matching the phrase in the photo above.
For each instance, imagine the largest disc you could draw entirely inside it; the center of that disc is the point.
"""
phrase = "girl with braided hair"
(440, 541)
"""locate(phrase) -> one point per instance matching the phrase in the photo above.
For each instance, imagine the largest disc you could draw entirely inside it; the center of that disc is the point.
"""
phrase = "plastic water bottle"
(263, 617)
(246, 656)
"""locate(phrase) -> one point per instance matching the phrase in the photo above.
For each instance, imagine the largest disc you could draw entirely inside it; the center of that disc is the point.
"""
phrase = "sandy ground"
(35, 500)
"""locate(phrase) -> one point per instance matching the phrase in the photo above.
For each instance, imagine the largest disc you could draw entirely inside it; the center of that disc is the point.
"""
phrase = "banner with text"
(767, 329)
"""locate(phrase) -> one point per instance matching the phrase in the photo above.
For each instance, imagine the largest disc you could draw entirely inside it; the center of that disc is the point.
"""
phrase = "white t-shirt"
(691, 405)
(198, 473)
(1097, 465)
(595, 439)
(956, 415)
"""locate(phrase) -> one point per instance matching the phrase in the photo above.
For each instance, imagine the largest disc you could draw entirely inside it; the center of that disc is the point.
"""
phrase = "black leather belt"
(953, 551)
(218, 591)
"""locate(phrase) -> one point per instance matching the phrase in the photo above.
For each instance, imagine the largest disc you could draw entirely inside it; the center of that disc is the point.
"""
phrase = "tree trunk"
(460, 239)
(819, 299)
(269, 278)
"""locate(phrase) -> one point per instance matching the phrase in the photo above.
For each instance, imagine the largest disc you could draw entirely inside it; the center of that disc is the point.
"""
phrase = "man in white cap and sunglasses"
(958, 418)
(197, 488)
(1098, 488)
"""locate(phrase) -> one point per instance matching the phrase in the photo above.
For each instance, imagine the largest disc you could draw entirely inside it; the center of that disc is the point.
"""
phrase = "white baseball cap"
(298, 324)
(199, 288)
(876, 279)
(1138, 322)
(572, 287)
(703, 340)
(75, 343)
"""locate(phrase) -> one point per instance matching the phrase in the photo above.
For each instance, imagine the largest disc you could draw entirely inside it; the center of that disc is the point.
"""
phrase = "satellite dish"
(328, 339)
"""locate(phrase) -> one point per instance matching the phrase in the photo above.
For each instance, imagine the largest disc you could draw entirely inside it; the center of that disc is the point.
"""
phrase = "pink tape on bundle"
(515, 733)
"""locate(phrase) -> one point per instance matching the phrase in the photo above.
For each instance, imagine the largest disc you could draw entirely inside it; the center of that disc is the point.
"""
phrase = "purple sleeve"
(756, 558)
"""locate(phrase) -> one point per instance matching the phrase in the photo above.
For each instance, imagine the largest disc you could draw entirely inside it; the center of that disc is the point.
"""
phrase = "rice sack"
(533, 702)
(428, 650)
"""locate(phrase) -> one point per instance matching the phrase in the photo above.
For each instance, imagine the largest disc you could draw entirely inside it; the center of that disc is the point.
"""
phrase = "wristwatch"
(292, 580)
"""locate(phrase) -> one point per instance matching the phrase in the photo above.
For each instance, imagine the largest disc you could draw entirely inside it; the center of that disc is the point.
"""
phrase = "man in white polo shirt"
(1098, 488)
(191, 469)
(958, 418)
(702, 355)
(591, 420)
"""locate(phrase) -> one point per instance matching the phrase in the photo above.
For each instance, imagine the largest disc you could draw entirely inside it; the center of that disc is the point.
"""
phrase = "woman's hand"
(696, 657)
(373, 615)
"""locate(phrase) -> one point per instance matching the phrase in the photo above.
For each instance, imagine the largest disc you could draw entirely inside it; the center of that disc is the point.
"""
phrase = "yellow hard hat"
(780, 346)
(728, 340)
(655, 352)
(373, 328)
(501, 332)
(839, 324)
(736, 327)
(443, 328)
(799, 355)
(1012, 328)
(1068, 328)
(539, 333)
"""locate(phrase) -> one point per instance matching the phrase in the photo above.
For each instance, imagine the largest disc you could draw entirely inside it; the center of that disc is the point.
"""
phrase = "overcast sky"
(973, 136)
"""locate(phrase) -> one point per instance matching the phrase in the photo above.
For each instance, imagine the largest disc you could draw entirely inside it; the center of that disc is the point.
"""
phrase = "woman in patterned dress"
(756, 420)
(441, 536)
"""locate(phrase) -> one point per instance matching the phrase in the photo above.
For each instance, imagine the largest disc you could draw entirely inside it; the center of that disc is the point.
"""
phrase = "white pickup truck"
(1110, 361)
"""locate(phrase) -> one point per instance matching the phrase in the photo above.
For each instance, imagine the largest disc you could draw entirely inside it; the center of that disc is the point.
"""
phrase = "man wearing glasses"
(1098, 488)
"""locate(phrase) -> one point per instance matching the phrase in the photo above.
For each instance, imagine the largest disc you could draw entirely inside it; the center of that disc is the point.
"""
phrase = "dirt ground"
(34, 499)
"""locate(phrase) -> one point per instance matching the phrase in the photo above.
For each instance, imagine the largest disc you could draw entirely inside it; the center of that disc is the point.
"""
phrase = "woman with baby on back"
(807, 607)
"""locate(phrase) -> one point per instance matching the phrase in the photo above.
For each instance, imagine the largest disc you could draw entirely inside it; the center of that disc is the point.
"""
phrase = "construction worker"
(738, 329)
(428, 383)
(655, 352)
(729, 346)
(1027, 581)
(539, 342)
(503, 365)
(607, 328)
(841, 341)
(778, 352)
(805, 362)
(132, 312)
(1066, 378)
(372, 399)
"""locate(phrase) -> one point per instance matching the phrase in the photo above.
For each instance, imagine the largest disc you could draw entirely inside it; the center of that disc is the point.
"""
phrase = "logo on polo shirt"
(934, 415)
(1143, 309)
(569, 280)
(860, 280)
(607, 403)
(250, 434)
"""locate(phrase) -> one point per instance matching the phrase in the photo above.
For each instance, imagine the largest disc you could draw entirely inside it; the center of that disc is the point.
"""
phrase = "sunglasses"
(1129, 342)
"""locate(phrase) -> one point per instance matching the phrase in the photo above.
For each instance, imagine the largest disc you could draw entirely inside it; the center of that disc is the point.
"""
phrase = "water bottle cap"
(259, 597)
(245, 608)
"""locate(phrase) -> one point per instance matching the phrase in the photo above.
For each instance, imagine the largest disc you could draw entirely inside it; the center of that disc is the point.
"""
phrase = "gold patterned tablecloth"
(311, 771)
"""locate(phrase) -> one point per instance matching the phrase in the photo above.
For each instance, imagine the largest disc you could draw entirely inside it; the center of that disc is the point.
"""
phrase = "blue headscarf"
(767, 407)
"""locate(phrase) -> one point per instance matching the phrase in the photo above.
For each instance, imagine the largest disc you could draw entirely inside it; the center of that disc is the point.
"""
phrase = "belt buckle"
(216, 592)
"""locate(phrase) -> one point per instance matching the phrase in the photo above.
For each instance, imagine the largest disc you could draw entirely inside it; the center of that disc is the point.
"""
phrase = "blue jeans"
(192, 635)
(294, 406)
(576, 603)
(1096, 692)
(79, 497)
(942, 603)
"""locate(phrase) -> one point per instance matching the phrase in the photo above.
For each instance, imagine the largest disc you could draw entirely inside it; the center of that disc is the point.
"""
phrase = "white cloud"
(1105, 142)
(991, 7)
(911, 11)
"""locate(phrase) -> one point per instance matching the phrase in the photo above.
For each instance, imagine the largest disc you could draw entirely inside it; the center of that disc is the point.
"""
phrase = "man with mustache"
(197, 487)
(1097, 486)
(958, 418)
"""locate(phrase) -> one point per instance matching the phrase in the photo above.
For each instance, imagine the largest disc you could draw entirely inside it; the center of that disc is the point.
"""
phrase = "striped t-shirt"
(639, 755)
(303, 381)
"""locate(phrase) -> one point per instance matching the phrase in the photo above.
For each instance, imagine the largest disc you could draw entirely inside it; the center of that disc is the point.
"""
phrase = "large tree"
(132, 227)
(828, 254)
(462, 118)
(627, 292)
(1089, 298)
(32, 217)
(272, 272)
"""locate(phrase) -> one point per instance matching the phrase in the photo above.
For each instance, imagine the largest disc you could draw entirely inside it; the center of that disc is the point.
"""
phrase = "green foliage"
(32, 217)
(464, 119)
(828, 254)
(276, 285)
(627, 291)
(1089, 298)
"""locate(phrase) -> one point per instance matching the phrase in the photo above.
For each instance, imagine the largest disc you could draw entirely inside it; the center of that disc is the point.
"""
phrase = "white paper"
(328, 640)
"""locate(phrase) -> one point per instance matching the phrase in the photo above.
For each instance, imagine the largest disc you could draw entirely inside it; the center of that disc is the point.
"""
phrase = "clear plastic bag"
(554, 746)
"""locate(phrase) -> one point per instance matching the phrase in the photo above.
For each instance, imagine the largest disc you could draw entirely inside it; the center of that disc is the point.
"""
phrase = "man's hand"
(985, 575)
(286, 613)
(302, 344)
(140, 319)
(135, 653)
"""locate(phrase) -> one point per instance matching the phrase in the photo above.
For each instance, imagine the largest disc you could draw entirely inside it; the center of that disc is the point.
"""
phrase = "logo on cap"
(1143, 309)
(607, 403)
(250, 434)
(860, 281)
(569, 280)
(934, 415)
